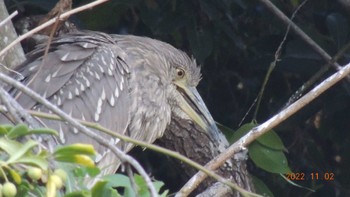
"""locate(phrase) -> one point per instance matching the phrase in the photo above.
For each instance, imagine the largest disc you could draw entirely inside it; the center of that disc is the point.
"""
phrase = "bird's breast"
(150, 111)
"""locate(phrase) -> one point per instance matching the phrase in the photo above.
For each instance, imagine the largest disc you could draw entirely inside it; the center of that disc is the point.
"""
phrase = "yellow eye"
(180, 73)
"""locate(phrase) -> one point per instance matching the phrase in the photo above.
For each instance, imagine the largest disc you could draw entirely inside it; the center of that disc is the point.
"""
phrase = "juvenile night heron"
(131, 85)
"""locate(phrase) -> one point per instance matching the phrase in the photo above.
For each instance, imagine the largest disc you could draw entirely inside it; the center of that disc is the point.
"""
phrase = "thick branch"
(7, 36)
(188, 139)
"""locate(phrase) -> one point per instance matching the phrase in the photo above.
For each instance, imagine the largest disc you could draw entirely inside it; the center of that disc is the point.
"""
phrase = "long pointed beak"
(192, 104)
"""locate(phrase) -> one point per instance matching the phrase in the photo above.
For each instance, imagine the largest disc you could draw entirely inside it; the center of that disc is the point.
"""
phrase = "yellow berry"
(9, 189)
(57, 181)
(35, 173)
(61, 173)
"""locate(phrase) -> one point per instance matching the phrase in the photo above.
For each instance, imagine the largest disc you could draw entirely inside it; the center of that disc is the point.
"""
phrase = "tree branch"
(256, 132)
(7, 36)
(8, 19)
(50, 22)
(300, 33)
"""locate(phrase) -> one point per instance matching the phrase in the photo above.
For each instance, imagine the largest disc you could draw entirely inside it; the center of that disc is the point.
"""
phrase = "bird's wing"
(86, 76)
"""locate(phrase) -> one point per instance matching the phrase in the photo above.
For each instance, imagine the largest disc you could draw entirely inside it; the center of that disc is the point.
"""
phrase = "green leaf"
(83, 170)
(142, 186)
(83, 193)
(261, 187)
(99, 188)
(244, 129)
(25, 187)
(119, 180)
(271, 160)
(35, 160)
(10, 146)
(8, 127)
(17, 131)
(94, 171)
(158, 185)
(271, 140)
(21, 151)
(44, 153)
(79, 172)
(15, 176)
(3, 130)
(75, 149)
(296, 185)
(102, 188)
(43, 131)
(83, 160)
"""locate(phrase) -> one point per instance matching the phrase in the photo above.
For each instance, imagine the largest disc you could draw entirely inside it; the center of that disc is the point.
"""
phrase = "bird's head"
(188, 104)
(178, 75)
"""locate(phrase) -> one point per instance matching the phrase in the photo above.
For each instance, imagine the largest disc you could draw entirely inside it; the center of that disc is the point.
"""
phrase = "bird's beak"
(192, 104)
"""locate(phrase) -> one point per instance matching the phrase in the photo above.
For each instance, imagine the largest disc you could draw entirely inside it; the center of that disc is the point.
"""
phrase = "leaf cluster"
(33, 170)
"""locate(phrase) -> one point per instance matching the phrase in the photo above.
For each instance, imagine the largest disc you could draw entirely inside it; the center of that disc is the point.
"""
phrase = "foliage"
(267, 151)
(25, 169)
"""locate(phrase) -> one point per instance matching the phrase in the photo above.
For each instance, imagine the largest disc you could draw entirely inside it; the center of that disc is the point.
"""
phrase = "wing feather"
(81, 74)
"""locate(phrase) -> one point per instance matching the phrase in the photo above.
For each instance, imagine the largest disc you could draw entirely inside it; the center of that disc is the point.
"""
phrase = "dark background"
(235, 42)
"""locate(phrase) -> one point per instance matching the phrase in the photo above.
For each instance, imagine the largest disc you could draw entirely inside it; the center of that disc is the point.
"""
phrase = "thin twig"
(306, 86)
(50, 22)
(3, 98)
(120, 154)
(131, 178)
(48, 44)
(16, 110)
(9, 18)
(264, 128)
(274, 63)
(300, 32)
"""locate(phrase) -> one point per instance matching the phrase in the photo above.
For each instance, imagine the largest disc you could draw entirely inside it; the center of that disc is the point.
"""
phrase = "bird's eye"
(180, 73)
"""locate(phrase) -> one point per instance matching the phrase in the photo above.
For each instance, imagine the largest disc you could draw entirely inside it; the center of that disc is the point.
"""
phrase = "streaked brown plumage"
(131, 85)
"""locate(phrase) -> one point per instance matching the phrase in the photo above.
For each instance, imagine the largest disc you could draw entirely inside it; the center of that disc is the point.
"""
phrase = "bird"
(129, 84)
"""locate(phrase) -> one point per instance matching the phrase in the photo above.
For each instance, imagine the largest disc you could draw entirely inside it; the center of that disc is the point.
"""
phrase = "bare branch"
(299, 32)
(274, 63)
(7, 36)
(60, 7)
(8, 19)
(16, 110)
(256, 132)
(50, 22)
(9, 106)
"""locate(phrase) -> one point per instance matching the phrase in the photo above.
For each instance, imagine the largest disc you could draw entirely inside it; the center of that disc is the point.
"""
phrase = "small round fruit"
(57, 181)
(61, 173)
(9, 189)
(35, 173)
